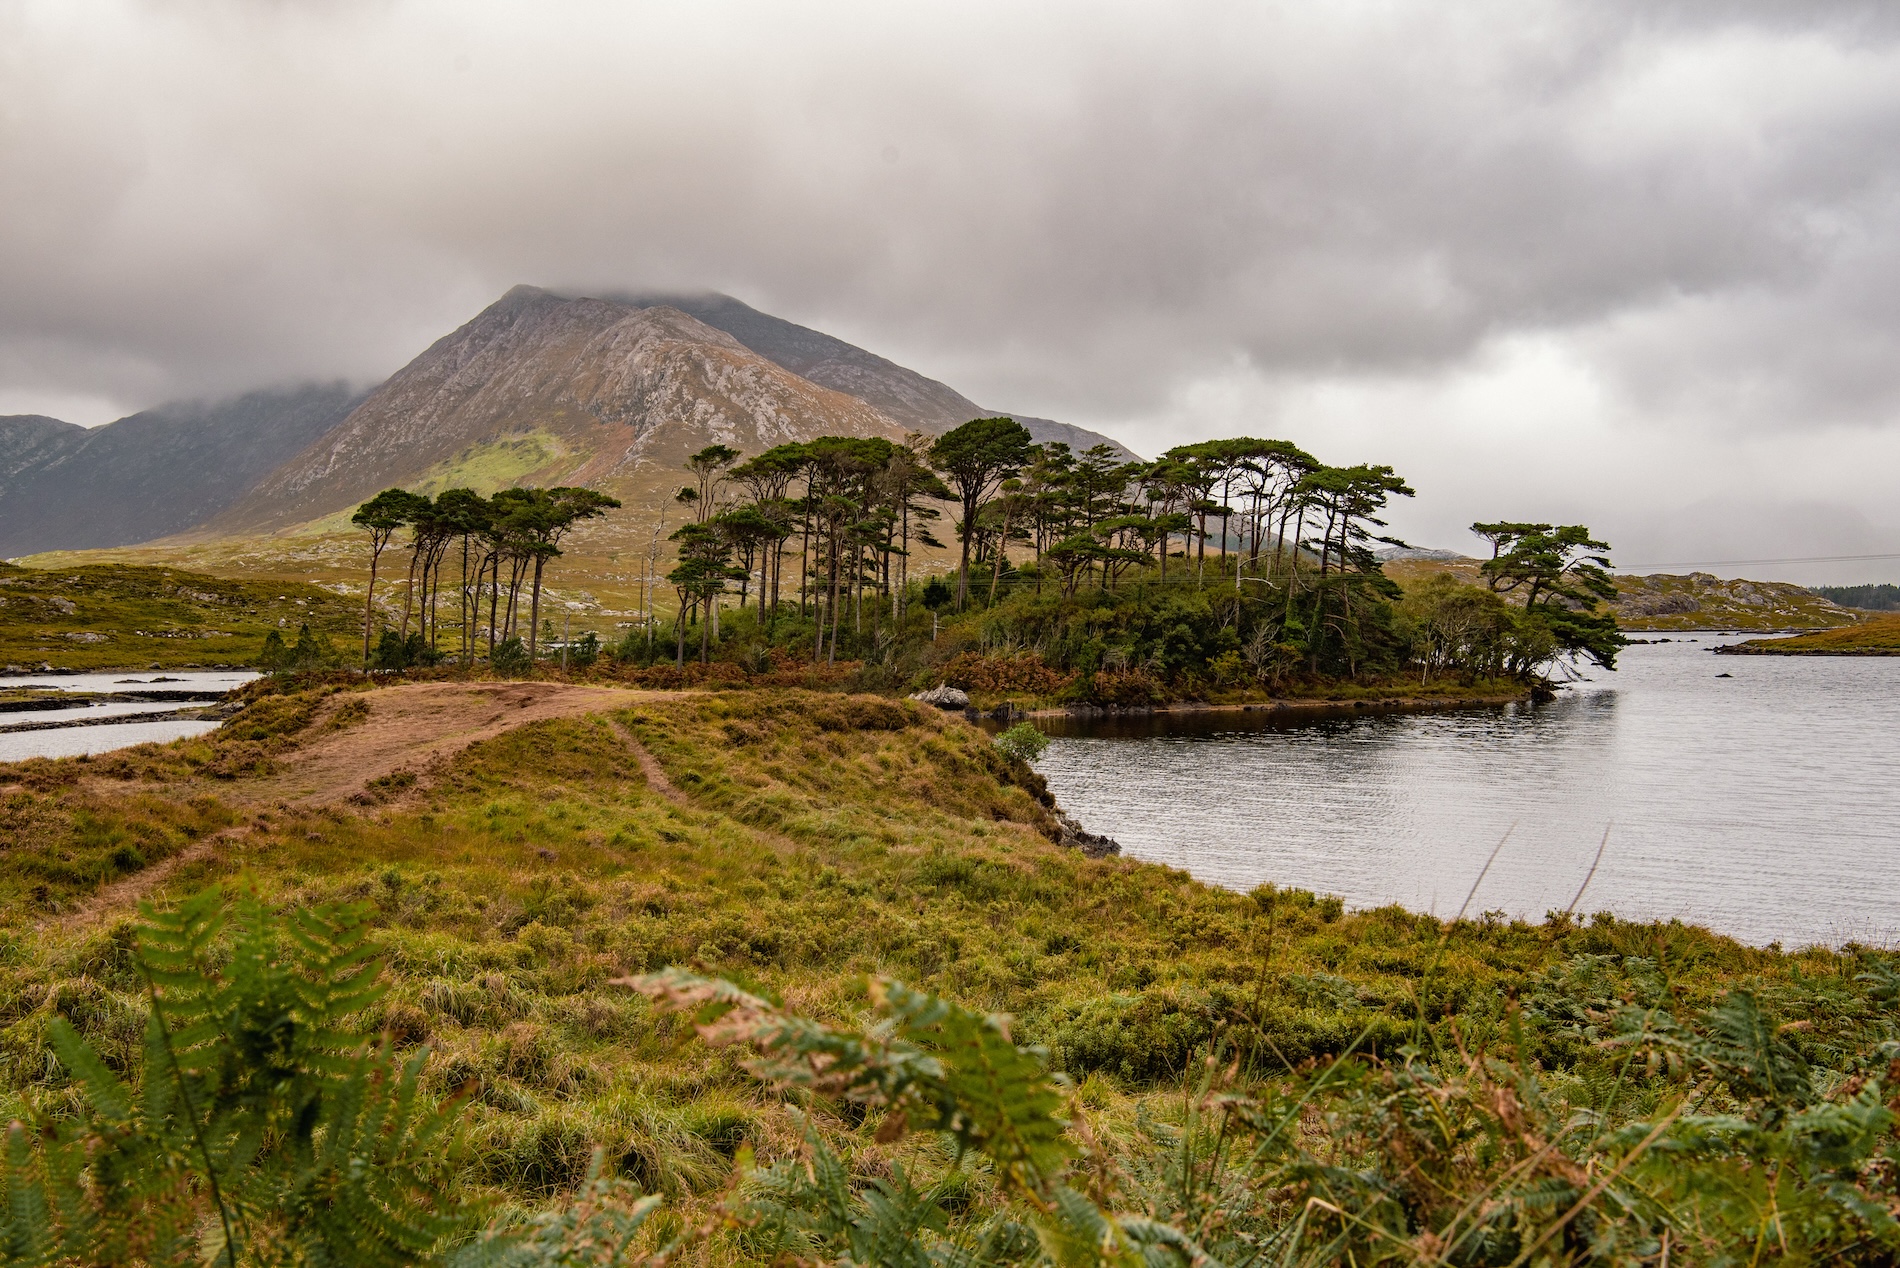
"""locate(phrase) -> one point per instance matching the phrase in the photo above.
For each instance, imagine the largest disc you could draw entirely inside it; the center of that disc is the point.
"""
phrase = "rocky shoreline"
(953, 699)
(1286, 708)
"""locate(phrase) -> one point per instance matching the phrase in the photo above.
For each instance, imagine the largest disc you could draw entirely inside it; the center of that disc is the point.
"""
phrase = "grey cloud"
(1084, 212)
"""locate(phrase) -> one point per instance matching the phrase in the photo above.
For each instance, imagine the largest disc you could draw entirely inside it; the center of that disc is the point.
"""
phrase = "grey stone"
(944, 697)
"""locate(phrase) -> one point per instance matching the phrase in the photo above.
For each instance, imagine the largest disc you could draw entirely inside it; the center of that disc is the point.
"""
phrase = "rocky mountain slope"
(154, 473)
(1700, 601)
(920, 403)
(619, 396)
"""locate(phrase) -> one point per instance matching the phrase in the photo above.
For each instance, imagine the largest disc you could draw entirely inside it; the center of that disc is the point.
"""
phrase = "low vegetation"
(513, 950)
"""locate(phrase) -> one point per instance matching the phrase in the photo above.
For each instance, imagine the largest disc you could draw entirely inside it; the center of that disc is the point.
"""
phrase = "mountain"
(905, 396)
(616, 396)
(538, 387)
(919, 403)
(159, 472)
(28, 441)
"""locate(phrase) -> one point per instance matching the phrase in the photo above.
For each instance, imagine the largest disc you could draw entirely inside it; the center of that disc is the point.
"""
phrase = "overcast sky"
(1633, 264)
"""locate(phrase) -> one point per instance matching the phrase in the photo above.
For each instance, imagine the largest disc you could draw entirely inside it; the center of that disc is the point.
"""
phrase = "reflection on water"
(1763, 804)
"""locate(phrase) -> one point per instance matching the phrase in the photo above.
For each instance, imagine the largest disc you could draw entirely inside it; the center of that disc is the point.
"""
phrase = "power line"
(1733, 563)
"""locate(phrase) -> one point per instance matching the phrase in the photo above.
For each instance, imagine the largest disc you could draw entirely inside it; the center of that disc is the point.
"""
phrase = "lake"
(71, 742)
(1764, 804)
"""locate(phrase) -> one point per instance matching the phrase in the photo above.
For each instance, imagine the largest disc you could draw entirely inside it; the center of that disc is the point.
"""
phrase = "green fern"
(262, 1125)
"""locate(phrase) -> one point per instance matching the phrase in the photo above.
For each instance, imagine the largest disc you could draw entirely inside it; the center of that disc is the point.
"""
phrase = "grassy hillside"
(597, 578)
(1877, 636)
(799, 843)
(128, 617)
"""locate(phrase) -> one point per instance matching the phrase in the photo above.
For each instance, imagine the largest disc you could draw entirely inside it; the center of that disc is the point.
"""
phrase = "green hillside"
(116, 616)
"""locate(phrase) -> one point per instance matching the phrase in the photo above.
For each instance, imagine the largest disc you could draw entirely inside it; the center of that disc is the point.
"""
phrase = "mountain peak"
(607, 387)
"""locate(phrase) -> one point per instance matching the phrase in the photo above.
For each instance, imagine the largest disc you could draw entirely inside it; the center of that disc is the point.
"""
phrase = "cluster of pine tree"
(1247, 549)
(1219, 563)
(487, 549)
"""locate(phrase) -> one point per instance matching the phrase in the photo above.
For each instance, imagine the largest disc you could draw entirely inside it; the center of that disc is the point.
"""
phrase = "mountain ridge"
(911, 398)
(154, 473)
(611, 389)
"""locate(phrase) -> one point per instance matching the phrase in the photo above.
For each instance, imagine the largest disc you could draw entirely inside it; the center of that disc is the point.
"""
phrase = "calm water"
(1765, 804)
(18, 745)
(95, 739)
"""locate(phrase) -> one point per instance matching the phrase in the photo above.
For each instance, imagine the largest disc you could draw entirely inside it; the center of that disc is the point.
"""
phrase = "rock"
(1660, 605)
(1075, 836)
(944, 697)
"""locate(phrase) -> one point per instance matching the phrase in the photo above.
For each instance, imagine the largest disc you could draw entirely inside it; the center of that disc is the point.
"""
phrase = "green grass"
(125, 617)
(824, 839)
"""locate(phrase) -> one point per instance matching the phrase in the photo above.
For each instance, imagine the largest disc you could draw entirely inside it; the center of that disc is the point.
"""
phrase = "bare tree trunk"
(409, 591)
(534, 614)
(963, 566)
(837, 567)
(369, 598)
(1002, 556)
(494, 597)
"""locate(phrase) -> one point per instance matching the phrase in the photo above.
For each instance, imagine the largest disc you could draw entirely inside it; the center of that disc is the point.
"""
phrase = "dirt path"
(650, 769)
(417, 726)
(414, 727)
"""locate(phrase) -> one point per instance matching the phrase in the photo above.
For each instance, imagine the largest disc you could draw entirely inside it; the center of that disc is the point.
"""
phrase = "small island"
(1879, 636)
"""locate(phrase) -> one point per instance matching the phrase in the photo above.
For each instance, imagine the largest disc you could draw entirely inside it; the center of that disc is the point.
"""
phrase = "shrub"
(1022, 743)
(1125, 689)
(394, 652)
(312, 651)
(510, 658)
(866, 713)
(1025, 671)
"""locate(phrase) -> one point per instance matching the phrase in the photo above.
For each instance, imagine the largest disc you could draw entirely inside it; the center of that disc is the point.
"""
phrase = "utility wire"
(1731, 563)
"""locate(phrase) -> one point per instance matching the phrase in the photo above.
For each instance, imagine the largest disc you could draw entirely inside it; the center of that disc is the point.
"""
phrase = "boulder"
(944, 697)
(1076, 837)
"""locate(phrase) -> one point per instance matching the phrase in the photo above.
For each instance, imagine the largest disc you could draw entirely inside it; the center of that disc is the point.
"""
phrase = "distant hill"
(919, 403)
(1663, 601)
(154, 473)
